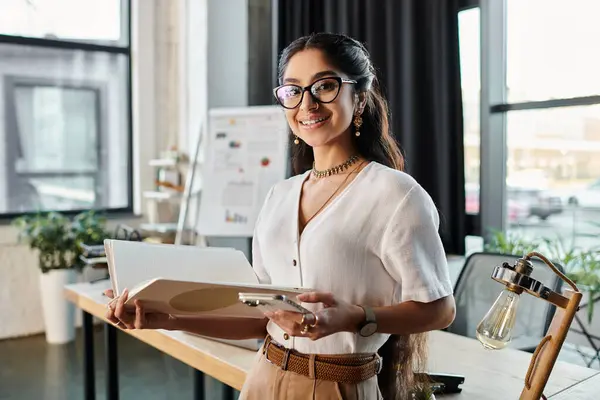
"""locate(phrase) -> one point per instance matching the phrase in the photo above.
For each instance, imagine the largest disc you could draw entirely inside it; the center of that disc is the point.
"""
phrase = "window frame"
(494, 110)
(467, 4)
(90, 47)
(472, 220)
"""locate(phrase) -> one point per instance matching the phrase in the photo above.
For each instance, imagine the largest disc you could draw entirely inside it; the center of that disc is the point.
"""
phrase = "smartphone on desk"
(272, 302)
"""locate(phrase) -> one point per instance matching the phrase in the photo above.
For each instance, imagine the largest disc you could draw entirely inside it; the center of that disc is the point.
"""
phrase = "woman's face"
(316, 123)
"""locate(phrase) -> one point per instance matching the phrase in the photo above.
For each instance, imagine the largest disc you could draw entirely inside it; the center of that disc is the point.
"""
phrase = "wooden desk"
(493, 374)
(488, 374)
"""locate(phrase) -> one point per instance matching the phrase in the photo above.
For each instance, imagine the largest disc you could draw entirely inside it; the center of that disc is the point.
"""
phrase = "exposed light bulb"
(495, 329)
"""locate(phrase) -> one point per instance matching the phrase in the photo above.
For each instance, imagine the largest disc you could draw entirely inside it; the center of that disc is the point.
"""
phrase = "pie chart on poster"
(202, 300)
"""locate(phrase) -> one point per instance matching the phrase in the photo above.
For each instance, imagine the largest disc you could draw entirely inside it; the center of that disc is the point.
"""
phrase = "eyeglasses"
(324, 90)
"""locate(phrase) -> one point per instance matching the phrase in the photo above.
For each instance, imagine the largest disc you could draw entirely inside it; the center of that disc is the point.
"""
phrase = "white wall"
(214, 57)
(227, 53)
(20, 306)
(193, 67)
(145, 110)
(214, 61)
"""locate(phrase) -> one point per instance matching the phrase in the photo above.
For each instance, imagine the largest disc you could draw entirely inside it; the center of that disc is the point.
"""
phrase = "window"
(553, 163)
(92, 21)
(470, 66)
(468, 22)
(552, 49)
(549, 118)
(65, 121)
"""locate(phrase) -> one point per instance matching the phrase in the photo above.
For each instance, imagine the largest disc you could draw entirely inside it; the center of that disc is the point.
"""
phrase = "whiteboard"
(246, 153)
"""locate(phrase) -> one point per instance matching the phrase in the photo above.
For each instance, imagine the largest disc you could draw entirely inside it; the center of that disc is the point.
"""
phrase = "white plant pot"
(59, 313)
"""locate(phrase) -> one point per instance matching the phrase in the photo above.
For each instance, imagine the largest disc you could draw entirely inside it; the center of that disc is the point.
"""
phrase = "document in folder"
(186, 280)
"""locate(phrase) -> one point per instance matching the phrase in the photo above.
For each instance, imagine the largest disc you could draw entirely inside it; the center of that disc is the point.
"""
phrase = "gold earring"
(357, 124)
(296, 140)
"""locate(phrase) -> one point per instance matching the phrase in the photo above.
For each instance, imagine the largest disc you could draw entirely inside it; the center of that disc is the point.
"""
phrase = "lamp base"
(546, 354)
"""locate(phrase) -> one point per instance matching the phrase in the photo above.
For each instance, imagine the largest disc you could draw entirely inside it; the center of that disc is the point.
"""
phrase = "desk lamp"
(494, 331)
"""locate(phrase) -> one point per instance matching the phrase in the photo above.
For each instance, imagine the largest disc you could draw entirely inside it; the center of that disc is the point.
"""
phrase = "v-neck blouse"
(375, 244)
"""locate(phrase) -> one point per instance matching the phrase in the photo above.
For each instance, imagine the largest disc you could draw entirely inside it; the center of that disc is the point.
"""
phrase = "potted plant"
(56, 241)
(422, 391)
(87, 228)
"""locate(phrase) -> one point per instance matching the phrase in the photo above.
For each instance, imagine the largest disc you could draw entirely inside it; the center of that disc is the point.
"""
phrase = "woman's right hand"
(125, 318)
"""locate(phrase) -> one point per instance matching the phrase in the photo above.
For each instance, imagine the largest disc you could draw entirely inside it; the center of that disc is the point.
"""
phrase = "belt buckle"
(378, 364)
(266, 353)
(284, 361)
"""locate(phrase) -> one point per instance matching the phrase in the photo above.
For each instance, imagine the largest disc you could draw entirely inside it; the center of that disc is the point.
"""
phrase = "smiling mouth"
(313, 121)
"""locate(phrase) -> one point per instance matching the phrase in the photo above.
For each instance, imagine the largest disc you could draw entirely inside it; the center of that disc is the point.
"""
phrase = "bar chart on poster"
(246, 153)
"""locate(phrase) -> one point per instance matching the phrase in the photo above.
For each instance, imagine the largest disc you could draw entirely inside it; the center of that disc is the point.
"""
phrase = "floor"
(31, 369)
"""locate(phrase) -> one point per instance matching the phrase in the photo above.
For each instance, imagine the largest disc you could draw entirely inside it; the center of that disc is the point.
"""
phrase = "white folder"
(186, 280)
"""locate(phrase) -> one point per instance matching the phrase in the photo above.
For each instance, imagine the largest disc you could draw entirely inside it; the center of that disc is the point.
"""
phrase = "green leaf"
(57, 239)
(590, 308)
(422, 391)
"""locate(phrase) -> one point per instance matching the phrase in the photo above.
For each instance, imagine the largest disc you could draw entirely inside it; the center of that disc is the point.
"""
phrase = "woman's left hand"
(336, 316)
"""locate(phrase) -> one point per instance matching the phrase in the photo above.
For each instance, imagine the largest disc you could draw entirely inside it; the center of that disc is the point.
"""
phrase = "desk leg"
(198, 385)
(112, 371)
(89, 372)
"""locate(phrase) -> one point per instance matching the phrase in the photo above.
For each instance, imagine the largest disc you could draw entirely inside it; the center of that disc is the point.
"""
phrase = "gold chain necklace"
(334, 170)
(333, 194)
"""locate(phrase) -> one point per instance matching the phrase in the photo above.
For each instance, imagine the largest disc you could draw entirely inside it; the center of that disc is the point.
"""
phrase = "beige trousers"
(269, 382)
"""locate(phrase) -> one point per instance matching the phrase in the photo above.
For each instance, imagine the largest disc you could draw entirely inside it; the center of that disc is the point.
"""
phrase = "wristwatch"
(369, 325)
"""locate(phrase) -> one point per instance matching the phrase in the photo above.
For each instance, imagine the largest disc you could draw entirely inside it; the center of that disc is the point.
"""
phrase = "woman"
(350, 225)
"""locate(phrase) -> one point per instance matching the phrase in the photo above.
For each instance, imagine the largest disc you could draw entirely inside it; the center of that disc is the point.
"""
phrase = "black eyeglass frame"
(304, 89)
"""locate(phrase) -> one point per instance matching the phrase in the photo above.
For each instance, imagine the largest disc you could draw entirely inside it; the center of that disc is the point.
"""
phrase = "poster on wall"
(246, 153)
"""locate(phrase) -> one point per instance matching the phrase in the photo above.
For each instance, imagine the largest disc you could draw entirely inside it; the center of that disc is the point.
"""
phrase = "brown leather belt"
(342, 368)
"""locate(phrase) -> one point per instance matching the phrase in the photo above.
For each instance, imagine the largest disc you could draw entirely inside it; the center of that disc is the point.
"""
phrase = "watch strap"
(369, 315)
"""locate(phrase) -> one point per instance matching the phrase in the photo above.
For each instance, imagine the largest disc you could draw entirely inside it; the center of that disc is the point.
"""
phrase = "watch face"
(368, 329)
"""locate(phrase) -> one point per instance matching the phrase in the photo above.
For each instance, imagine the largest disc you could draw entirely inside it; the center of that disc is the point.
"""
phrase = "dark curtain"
(414, 46)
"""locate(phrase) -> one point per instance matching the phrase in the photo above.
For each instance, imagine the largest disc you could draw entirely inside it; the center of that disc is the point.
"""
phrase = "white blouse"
(375, 244)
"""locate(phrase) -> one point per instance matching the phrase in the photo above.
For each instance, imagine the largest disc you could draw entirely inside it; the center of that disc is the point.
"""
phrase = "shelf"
(154, 195)
(164, 162)
(165, 227)
(160, 228)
